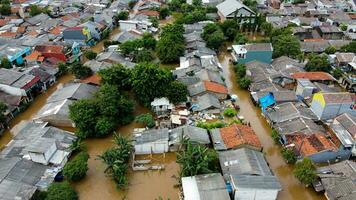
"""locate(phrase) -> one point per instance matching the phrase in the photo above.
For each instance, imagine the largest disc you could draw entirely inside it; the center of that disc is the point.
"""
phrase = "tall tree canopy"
(286, 45)
(171, 44)
(117, 75)
(318, 63)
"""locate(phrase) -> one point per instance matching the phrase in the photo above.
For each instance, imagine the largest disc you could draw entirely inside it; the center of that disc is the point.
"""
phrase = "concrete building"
(261, 52)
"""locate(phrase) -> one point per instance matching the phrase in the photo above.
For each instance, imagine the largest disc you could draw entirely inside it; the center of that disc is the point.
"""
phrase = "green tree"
(240, 70)
(176, 92)
(288, 155)
(123, 15)
(337, 73)
(304, 171)
(286, 45)
(211, 125)
(61, 191)
(35, 10)
(76, 168)
(330, 50)
(117, 159)
(164, 12)
(252, 4)
(148, 41)
(143, 55)
(351, 47)
(5, 63)
(215, 40)
(343, 27)
(154, 21)
(5, 9)
(80, 71)
(169, 51)
(90, 54)
(146, 119)
(318, 63)
(209, 29)
(230, 112)
(240, 38)
(117, 75)
(244, 82)
(84, 114)
(149, 81)
(62, 68)
(229, 28)
(275, 136)
(3, 108)
(194, 160)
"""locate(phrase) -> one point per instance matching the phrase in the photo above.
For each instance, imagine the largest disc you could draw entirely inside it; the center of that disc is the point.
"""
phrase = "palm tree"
(194, 160)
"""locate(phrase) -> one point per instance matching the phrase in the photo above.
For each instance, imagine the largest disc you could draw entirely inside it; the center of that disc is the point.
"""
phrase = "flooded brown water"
(99, 47)
(292, 188)
(31, 111)
(142, 185)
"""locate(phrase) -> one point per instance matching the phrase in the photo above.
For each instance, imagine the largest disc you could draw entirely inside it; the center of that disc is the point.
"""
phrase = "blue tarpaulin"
(266, 101)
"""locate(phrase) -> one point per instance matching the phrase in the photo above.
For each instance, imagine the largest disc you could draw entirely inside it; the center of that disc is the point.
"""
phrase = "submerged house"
(230, 9)
(205, 187)
(338, 181)
(154, 141)
(319, 147)
(249, 174)
(327, 106)
(194, 134)
(344, 128)
(261, 52)
(56, 109)
(161, 106)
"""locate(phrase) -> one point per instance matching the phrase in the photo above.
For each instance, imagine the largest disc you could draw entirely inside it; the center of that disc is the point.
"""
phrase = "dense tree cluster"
(79, 70)
(117, 75)
(285, 45)
(213, 35)
(318, 63)
(349, 47)
(117, 160)
(141, 50)
(101, 115)
(77, 168)
(5, 7)
(171, 44)
(90, 54)
(149, 82)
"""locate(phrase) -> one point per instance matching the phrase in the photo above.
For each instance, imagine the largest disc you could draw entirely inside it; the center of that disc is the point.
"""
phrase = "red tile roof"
(49, 48)
(75, 28)
(236, 135)
(33, 56)
(313, 76)
(94, 79)
(56, 30)
(215, 87)
(308, 145)
(3, 22)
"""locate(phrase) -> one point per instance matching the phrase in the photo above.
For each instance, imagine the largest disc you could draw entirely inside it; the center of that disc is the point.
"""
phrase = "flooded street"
(292, 189)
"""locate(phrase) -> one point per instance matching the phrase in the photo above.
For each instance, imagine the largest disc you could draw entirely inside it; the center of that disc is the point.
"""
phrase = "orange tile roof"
(94, 79)
(236, 135)
(311, 144)
(56, 30)
(3, 22)
(215, 87)
(33, 33)
(66, 17)
(8, 34)
(41, 58)
(14, 10)
(352, 15)
(33, 56)
(313, 76)
(152, 13)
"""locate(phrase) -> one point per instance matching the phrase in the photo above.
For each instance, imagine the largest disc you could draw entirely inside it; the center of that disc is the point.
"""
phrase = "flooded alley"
(292, 189)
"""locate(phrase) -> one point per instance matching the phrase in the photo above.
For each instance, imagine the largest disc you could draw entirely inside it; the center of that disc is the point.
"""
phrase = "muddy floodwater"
(150, 184)
(291, 188)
